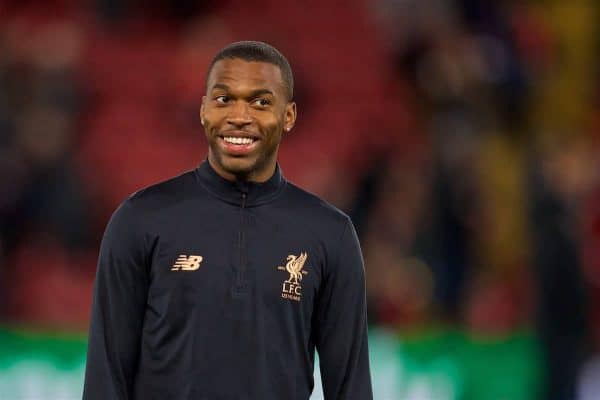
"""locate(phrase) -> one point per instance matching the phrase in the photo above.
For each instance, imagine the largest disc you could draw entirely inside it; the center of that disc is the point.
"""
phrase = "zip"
(242, 244)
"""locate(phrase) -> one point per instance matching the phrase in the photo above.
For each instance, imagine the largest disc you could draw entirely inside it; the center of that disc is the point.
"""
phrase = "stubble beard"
(243, 168)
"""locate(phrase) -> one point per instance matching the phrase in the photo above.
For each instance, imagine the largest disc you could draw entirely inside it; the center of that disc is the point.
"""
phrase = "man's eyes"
(260, 102)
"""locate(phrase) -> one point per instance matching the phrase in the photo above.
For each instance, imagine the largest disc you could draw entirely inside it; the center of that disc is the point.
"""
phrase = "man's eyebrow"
(254, 93)
(258, 92)
(220, 86)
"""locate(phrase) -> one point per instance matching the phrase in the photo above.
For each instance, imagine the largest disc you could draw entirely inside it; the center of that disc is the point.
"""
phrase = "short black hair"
(261, 52)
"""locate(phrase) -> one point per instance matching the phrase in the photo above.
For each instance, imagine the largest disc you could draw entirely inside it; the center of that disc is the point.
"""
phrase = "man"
(220, 283)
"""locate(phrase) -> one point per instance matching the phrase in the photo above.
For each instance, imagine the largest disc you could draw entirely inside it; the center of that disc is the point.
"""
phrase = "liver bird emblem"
(294, 267)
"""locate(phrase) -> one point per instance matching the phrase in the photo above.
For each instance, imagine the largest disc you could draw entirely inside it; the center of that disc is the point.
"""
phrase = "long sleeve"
(120, 294)
(341, 324)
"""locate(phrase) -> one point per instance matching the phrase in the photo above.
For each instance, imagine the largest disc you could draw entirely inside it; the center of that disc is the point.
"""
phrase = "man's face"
(244, 113)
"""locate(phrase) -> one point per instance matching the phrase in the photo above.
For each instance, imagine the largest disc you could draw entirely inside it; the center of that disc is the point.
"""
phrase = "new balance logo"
(187, 263)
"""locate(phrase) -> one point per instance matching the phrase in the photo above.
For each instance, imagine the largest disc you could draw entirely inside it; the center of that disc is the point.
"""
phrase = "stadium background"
(461, 136)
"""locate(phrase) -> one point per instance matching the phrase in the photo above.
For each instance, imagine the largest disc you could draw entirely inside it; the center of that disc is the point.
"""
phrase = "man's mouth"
(238, 145)
(239, 140)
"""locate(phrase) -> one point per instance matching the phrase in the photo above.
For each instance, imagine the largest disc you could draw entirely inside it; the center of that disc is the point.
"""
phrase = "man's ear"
(202, 110)
(290, 116)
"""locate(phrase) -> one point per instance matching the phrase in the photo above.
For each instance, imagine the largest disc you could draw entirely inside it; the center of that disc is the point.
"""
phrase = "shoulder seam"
(138, 229)
(347, 221)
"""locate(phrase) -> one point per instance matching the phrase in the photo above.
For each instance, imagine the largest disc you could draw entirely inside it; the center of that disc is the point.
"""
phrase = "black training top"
(208, 289)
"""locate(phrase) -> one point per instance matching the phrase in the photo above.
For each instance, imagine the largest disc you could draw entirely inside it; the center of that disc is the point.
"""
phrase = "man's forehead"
(244, 73)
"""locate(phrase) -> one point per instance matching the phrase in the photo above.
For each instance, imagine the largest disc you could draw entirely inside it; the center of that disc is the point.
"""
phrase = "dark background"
(461, 136)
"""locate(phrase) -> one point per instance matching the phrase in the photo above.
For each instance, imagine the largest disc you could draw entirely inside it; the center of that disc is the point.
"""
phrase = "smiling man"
(219, 284)
(245, 112)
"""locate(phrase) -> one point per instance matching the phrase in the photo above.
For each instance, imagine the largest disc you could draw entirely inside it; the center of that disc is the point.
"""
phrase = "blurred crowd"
(462, 137)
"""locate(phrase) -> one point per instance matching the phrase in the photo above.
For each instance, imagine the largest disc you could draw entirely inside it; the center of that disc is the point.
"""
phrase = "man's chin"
(240, 168)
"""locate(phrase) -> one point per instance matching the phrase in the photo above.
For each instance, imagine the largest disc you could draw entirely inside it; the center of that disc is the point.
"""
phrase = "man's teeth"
(238, 140)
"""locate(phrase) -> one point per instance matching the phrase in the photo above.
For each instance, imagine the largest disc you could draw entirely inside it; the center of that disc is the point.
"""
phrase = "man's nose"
(239, 114)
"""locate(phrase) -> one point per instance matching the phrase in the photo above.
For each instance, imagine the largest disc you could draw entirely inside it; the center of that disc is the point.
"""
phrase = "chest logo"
(187, 263)
(291, 288)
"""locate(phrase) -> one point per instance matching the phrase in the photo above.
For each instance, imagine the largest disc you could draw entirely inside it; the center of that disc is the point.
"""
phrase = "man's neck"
(257, 176)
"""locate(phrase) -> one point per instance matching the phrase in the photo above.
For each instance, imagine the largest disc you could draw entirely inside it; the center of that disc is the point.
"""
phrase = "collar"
(232, 191)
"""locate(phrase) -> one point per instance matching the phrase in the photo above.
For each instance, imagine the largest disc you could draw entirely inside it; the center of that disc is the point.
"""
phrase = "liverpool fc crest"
(291, 288)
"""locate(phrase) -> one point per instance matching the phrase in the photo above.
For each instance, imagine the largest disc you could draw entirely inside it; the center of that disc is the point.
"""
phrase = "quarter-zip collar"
(231, 191)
